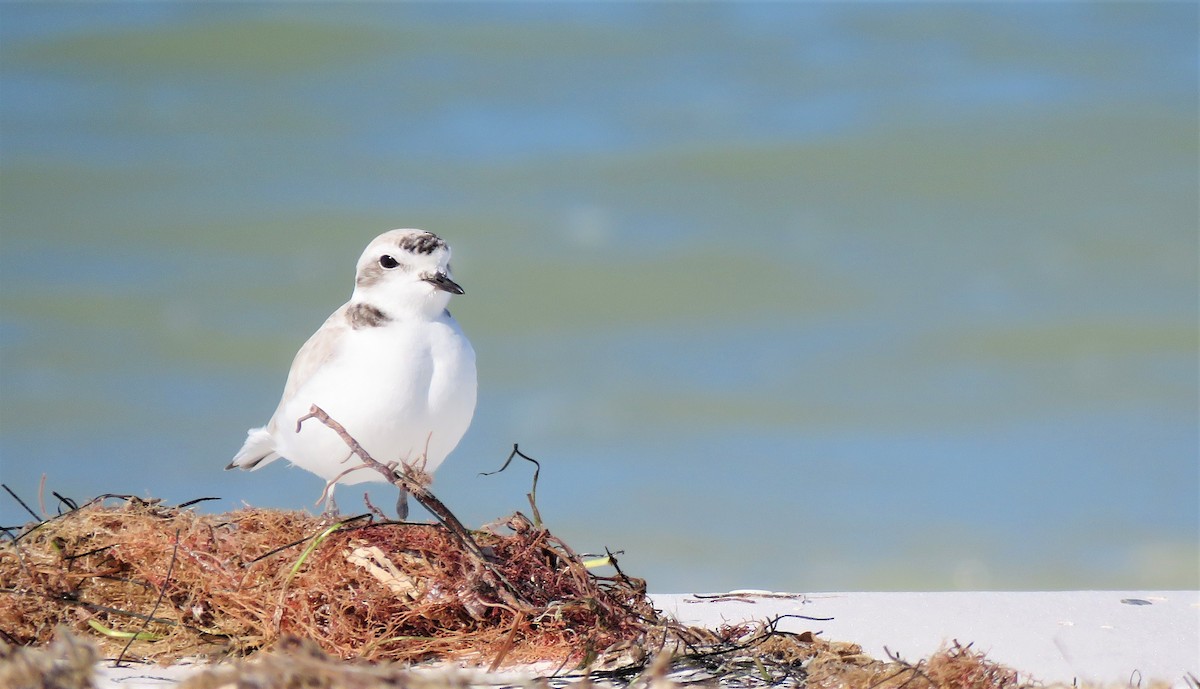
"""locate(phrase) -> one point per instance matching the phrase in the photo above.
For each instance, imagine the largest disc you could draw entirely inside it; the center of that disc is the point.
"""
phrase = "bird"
(391, 365)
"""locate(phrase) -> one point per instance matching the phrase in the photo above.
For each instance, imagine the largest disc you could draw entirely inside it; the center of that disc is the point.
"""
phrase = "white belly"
(405, 394)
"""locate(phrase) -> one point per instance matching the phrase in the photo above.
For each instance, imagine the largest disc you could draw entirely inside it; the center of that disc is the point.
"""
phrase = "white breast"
(404, 391)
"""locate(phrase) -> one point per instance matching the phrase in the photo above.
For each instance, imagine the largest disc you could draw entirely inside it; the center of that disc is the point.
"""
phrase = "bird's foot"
(330, 514)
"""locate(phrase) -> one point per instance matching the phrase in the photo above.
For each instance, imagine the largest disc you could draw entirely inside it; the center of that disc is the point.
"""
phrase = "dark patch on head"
(423, 243)
(366, 316)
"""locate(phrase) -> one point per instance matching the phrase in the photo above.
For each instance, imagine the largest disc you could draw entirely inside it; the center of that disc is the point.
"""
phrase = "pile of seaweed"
(164, 582)
(294, 600)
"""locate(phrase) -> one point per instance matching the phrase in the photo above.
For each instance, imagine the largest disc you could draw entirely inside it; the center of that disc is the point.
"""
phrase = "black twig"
(85, 553)
(71, 504)
(612, 560)
(532, 494)
(94, 501)
(189, 503)
(21, 502)
(293, 544)
(161, 594)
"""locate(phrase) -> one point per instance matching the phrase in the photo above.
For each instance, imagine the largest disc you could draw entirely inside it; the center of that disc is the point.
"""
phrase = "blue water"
(792, 296)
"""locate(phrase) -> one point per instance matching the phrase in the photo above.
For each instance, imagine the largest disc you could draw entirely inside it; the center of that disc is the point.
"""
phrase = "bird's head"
(404, 270)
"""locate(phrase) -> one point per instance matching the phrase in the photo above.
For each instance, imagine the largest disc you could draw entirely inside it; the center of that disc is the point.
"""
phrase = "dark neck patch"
(424, 243)
(366, 316)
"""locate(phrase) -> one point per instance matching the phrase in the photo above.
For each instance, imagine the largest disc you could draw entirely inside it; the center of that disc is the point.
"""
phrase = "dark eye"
(388, 262)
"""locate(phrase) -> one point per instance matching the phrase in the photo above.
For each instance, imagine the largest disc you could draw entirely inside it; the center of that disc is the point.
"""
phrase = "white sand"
(1124, 638)
(1117, 637)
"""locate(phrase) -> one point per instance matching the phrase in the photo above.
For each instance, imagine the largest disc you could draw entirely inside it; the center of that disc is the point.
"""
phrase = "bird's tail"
(258, 450)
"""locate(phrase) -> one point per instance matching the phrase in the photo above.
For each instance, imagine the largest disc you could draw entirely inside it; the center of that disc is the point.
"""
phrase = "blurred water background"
(789, 296)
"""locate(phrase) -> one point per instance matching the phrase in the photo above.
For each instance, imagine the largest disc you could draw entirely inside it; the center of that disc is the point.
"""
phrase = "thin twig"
(189, 503)
(373, 509)
(85, 553)
(20, 501)
(71, 504)
(285, 546)
(161, 594)
(94, 501)
(400, 478)
(532, 494)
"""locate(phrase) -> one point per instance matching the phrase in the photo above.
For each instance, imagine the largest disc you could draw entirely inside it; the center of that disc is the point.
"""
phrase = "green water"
(792, 296)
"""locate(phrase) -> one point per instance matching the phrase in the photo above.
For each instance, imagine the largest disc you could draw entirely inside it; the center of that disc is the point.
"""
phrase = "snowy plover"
(391, 366)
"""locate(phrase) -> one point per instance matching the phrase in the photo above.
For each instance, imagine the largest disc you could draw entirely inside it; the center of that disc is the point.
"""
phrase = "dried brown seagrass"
(236, 582)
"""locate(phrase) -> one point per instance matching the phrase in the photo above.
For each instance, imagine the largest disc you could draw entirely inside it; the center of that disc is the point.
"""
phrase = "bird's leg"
(331, 509)
(402, 505)
(402, 500)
